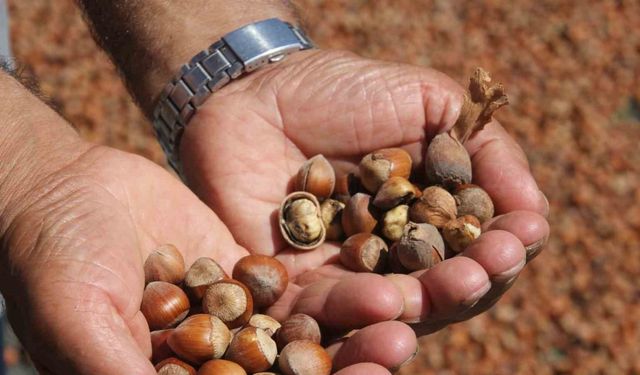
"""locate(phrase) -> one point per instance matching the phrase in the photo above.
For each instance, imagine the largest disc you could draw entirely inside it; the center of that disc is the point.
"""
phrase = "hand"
(245, 144)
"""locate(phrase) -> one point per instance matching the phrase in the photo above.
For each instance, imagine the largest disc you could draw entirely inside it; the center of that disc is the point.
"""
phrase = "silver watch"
(238, 52)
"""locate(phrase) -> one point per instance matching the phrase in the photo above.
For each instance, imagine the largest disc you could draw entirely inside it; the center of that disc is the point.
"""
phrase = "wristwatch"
(240, 51)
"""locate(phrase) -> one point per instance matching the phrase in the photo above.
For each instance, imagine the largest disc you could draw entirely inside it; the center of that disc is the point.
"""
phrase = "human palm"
(246, 143)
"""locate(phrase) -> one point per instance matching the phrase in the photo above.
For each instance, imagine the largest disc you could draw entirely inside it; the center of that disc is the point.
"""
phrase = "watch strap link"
(240, 51)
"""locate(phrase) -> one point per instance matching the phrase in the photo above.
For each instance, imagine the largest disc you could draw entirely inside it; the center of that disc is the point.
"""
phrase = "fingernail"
(510, 273)
(546, 209)
(535, 248)
(475, 297)
(406, 361)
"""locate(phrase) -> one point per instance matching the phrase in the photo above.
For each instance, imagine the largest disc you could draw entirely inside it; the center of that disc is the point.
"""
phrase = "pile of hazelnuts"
(202, 321)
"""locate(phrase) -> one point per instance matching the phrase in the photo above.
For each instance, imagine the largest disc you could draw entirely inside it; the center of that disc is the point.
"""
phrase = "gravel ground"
(572, 71)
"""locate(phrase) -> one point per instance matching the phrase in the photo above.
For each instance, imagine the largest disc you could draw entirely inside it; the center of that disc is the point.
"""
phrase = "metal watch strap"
(240, 51)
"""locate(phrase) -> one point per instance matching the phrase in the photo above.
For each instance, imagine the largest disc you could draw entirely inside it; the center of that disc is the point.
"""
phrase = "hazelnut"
(436, 207)
(229, 300)
(377, 167)
(202, 273)
(300, 221)
(364, 252)
(317, 177)
(160, 349)
(221, 367)
(200, 338)
(164, 264)
(394, 221)
(460, 232)
(298, 327)
(164, 305)
(347, 185)
(447, 162)
(331, 212)
(265, 323)
(394, 262)
(264, 276)
(252, 349)
(304, 358)
(358, 216)
(421, 247)
(174, 366)
(473, 200)
(395, 191)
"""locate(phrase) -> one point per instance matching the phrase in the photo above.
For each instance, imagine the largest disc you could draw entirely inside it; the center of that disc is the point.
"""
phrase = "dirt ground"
(572, 70)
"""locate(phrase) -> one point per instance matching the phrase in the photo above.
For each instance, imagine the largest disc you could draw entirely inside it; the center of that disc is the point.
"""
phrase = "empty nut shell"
(447, 162)
(436, 207)
(165, 263)
(301, 222)
(473, 200)
(298, 327)
(202, 273)
(421, 247)
(174, 366)
(377, 167)
(395, 191)
(164, 305)
(264, 276)
(460, 232)
(358, 215)
(304, 358)
(317, 177)
(394, 221)
(229, 300)
(331, 211)
(200, 338)
(252, 349)
(364, 252)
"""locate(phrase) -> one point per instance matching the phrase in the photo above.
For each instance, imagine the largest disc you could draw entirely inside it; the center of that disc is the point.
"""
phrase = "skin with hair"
(77, 219)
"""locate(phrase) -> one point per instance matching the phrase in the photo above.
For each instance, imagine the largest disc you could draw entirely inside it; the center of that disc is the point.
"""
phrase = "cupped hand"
(245, 144)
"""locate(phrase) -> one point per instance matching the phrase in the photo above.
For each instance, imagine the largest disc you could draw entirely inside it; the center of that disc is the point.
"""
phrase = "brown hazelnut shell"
(221, 367)
(165, 263)
(347, 185)
(358, 215)
(473, 200)
(447, 162)
(421, 247)
(160, 349)
(436, 206)
(264, 276)
(364, 252)
(395, 191)
(377, 167)
(460, 232)
(298, 327)
(200, 338)
(331, 212)
(252, 349)
(202, 273)
(304, 357)
(174, 366)
(229, 300)
(283, 218)
(317, 177)
(394, 262)
(164, 305)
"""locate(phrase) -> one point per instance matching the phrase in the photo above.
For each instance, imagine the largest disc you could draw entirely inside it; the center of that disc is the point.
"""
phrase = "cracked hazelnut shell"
(300, 221)
(460, 232)
(377, 167)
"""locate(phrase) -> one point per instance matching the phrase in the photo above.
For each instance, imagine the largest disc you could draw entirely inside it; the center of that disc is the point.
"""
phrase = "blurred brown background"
(572, 71)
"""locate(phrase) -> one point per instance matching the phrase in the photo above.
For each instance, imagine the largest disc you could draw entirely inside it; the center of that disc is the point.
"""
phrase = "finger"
(389, 344)
(364, 369)
(417, 304)
(500, 167)
(500, 254)
(353, 302)
(530, 228)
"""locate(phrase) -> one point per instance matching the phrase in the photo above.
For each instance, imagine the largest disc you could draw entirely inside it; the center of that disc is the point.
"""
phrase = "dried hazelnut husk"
(394, 221)
(265, 323)
(200, 338)
(473, 200)
(358, 215)
(174, 366)
(460, 232)
(165, 263)
(304, 358)
(252, 349)
(164, 305)
(202, 273)
(317, 177)
(447, 162)
(264, 276)
(421, 247)
(301, 222)
(436, 207)
(331, 211)
(347, 185)
(364, 252)
(221, 367)
(394, 262)
(298, 327)
(229, 300)
(378, 166)
(396, 190)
